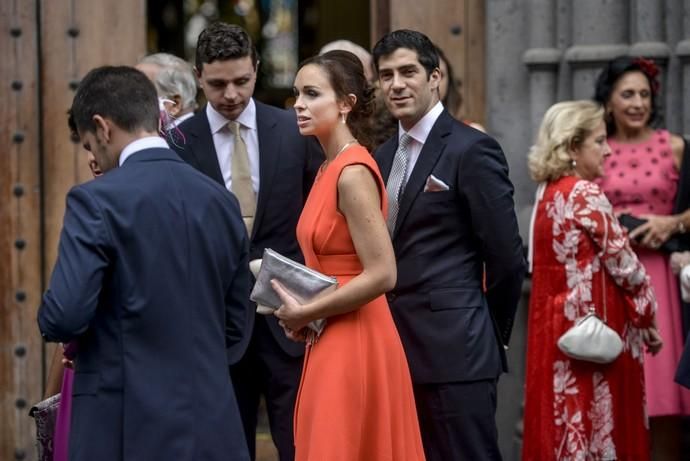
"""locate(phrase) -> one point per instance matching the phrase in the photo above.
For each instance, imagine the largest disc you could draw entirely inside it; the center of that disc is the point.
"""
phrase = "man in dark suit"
(282, 165)
(451, 217)
(151, 279)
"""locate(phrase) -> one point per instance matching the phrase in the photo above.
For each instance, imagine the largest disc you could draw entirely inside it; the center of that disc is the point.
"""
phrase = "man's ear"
(103, 128)
(435, 78)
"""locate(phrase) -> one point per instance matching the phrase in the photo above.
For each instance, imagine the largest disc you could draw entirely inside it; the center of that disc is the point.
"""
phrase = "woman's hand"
(652, 339)
(291, 313)
(655, 231)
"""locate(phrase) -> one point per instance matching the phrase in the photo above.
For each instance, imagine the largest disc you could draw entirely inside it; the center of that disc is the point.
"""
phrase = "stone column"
(683, 53)
(648, 39)
(600, 32)
(541, 59)
(647, 34)
(508, 104)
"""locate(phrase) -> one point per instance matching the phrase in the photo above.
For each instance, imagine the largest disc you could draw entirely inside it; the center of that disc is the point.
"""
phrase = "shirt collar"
(179, 120)
(246, 119)
(420, 131)
(149, 142)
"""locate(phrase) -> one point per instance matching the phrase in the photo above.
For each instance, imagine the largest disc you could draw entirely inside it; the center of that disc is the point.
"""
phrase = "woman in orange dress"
(355, 400)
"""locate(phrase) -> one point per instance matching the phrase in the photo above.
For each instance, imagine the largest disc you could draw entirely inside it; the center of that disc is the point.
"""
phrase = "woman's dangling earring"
(342, 118)
(573, 163)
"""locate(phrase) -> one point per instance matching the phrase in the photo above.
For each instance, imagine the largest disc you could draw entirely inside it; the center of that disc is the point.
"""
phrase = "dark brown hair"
(120, 93)
(346, 75)
(221, 41)
(613, 71)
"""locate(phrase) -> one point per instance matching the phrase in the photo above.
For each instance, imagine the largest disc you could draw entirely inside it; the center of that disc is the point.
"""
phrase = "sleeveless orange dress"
(355, 400)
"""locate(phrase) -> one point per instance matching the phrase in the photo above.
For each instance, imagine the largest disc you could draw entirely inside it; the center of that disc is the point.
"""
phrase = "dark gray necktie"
(396, 180)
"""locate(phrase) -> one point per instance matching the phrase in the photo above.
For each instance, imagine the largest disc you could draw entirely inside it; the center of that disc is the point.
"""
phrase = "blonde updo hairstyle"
(564, 128)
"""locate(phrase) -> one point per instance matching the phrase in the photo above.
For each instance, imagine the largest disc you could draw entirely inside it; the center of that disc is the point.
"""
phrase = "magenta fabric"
(61, 437)
(62, 424)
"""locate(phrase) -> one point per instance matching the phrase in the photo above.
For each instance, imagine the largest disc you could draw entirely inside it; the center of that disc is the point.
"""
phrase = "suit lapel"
(385, 157)
(202, 147)
(269, 149)
(431, 151)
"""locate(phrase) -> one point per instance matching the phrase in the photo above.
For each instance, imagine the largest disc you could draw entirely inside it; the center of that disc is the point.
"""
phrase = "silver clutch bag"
(590, 339)
(303, 283)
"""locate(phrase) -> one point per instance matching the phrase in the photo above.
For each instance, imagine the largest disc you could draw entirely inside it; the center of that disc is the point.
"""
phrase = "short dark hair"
(222, 41)
(613, 71)
(120, 93)
(412, 40)
(346, 75)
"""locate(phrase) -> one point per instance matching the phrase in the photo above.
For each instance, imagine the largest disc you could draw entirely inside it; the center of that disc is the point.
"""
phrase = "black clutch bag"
(673, 244)
(302, 282)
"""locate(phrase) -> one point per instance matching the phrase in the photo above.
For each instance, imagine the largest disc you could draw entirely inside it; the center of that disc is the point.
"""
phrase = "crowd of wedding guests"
(375, 178)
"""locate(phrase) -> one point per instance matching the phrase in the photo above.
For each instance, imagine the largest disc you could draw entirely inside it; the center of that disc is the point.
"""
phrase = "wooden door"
(48, 47)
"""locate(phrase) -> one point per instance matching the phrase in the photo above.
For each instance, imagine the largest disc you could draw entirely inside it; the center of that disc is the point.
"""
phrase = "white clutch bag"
(302, 282)
(591, 340)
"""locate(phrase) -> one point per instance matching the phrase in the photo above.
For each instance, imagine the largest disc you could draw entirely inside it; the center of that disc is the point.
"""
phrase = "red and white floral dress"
(576, 410)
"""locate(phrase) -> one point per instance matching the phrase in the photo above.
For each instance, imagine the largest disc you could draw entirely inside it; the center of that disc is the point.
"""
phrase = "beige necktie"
(242, 178)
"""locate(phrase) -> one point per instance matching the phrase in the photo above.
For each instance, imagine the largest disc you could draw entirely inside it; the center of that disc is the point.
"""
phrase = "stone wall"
(543, 51)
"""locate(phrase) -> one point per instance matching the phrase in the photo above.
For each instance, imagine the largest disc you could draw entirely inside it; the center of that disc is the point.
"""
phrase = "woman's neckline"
(347, 145)
(649, 137)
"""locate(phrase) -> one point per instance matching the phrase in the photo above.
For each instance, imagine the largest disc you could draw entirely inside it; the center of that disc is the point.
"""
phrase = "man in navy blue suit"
(282, 165)
(452, 219)
(151, 280)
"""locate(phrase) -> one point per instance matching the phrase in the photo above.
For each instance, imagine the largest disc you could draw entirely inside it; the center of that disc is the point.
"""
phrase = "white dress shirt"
(149, 142)
(419, 132)
(177, 121)
(224, 141)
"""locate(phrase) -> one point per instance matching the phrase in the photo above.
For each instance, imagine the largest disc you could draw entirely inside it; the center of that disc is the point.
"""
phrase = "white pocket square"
(433, 184)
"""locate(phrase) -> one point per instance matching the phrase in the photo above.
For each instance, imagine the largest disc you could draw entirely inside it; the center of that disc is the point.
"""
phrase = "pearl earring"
(342, 118)
(573, 163)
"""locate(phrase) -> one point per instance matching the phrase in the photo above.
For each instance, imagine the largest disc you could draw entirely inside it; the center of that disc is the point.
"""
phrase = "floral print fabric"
(576, 410)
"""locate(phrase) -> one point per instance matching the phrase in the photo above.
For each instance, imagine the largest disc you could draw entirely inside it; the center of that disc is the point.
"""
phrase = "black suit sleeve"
(483, 182)
(238, 309)
(70, 302)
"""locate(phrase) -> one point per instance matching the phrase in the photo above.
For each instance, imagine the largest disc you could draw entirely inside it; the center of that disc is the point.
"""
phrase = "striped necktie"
(396, 180)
